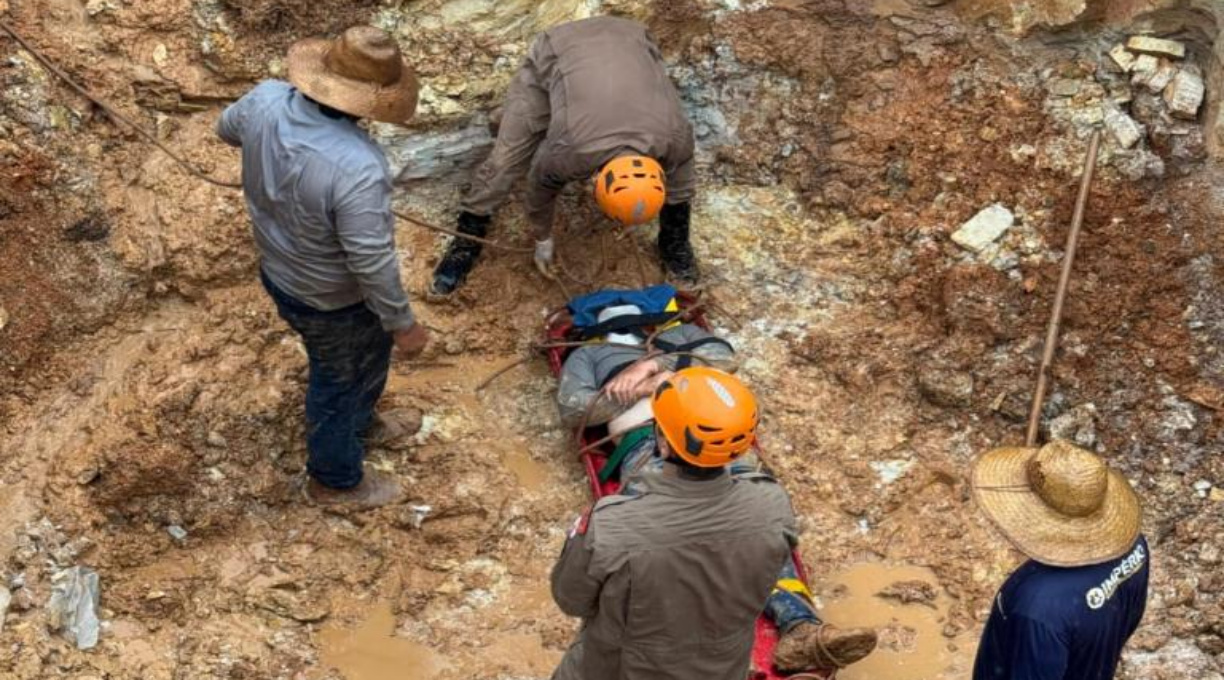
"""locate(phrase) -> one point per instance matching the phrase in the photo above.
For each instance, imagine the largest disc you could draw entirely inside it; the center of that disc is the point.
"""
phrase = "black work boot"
(674, 249)
(461, 255)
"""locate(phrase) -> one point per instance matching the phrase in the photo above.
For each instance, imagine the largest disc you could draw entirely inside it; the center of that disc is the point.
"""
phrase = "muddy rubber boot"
(392, 426)
(461, 255)
(822, 647)
(675, 251)
(375, 490)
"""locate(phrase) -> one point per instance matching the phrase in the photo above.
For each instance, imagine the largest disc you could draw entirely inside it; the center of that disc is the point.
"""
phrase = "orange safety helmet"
(631, 189)
(707, 416)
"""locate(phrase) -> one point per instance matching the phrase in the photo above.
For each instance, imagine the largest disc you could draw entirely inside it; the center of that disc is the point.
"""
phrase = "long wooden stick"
(1051, 341)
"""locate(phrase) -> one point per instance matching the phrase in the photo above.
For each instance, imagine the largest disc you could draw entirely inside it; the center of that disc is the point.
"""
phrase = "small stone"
(1209, 553)
(1122, 57)
(1121, 126)
(95, 7)
(1201, 487)
(177, 532)
(160, 54)
(1144, 67)
(4, 318)
(216, 441)
(1064, 87)
(1146, 44)
(910, 592)
(947, 388)
(5, 598)
(1184, 94)
(1156, 81)
(984, 228)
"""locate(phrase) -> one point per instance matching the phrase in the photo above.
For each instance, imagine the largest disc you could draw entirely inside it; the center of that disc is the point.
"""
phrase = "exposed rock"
(73, 608)
(947, 388)
(984, 228)
(1144, 68)
(1077, 425)
(1064, 87)
(1122, 57)
(1156, 81)
(1121, 126)
(436, 155)
(5, 598)
(1144, 44)
(1185, 94)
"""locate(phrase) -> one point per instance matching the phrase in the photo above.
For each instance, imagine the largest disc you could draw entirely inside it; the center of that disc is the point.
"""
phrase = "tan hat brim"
(1001, 488)
(394, 103)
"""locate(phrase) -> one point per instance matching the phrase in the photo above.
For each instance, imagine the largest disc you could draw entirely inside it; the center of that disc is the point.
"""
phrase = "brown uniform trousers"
(589, 91)
(669, 583)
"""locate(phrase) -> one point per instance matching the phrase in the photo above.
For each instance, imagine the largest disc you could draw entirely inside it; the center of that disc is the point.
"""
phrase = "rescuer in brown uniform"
(592, 102)
(670, 575)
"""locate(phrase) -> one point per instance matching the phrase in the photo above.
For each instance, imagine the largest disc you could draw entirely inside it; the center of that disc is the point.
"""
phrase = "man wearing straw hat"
(319, 194)
(1067, 612)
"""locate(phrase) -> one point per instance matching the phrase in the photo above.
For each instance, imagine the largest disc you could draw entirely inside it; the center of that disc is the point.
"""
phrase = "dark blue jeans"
(349, 354)
(790, 603)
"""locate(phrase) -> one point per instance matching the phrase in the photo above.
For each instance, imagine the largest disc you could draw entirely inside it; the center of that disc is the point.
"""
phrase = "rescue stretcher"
(559, 328)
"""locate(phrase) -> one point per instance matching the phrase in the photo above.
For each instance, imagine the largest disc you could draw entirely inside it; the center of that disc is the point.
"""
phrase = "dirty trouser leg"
(790, 603)
(349, 355)
(524, 120)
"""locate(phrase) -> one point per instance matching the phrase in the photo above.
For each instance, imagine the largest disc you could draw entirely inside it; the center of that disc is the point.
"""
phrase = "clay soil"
(146, 382)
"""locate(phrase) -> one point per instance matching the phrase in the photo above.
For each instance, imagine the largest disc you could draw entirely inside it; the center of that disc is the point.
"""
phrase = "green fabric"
(631, 439)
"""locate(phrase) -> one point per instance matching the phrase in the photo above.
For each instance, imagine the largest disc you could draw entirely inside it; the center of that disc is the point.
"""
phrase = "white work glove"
(545, 252)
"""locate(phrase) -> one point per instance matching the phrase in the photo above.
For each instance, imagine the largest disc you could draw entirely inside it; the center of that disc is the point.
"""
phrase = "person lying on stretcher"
(687, 537)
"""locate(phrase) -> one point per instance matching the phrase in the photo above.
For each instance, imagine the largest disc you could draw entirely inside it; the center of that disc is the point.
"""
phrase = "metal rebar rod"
(1060, 296)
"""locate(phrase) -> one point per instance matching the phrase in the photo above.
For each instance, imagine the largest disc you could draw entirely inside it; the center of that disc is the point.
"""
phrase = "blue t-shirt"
(1053, 623)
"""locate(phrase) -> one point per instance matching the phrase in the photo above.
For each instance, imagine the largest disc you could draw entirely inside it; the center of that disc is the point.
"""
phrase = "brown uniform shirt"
(669, 583)
(589, 91)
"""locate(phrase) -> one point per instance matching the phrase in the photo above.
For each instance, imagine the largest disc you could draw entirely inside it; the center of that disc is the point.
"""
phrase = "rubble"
(944, 387)
(984, 228)
(1121, 56)
(1185, 94)
(1121, 126)
(1148, 45)
(73, 607)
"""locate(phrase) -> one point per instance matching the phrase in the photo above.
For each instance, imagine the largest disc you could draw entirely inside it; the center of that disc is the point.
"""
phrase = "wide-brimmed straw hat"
(361, 73)
(1060, 505)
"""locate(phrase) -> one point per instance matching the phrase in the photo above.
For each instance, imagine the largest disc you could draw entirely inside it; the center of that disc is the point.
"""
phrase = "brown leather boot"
(375, 490)
(822, 647)
(393, 426)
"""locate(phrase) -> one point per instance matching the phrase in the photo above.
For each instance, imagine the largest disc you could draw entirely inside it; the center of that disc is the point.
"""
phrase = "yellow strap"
(793, 585)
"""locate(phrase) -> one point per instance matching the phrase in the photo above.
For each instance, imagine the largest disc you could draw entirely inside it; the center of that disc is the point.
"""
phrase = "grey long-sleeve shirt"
(587, 369)
(319, 194)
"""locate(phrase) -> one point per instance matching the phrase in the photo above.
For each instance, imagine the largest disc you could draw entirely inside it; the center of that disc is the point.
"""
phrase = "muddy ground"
(147, 386)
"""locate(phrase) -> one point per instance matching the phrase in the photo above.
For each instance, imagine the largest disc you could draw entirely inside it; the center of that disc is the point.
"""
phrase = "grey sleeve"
(574, 588)
(578, 388)
(718, 355)
(366, 229)
(229, 125)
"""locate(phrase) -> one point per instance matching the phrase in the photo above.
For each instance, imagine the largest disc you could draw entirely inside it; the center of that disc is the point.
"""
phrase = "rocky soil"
(150, 420)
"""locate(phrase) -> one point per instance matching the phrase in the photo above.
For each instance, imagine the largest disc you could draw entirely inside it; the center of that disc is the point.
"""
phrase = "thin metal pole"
(1051, 341)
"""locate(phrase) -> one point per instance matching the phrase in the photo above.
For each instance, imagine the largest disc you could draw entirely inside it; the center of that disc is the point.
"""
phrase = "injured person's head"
(614, 312)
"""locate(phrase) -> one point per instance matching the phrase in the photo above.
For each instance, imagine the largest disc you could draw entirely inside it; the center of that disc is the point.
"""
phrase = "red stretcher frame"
(559, 328)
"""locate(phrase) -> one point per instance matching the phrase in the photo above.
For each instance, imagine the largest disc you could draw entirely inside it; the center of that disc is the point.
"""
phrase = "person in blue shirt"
(1067, 612)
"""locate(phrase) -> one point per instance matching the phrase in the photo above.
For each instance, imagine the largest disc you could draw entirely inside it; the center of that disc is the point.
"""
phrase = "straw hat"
(361, 73)
(1059, 504)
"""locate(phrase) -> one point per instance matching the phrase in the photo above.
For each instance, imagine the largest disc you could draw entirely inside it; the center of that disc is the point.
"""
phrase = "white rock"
(1122, 57)
(1145, 44)
(1184, 94)
(984, 228)
(5, 598)
(1125, 129)
(1143, 70)
(1158, 79)
(160, 54)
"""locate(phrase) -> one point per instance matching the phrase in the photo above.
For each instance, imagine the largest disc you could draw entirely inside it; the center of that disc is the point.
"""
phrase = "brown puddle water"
(530, 474)
(372, 652)
(912, 645)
